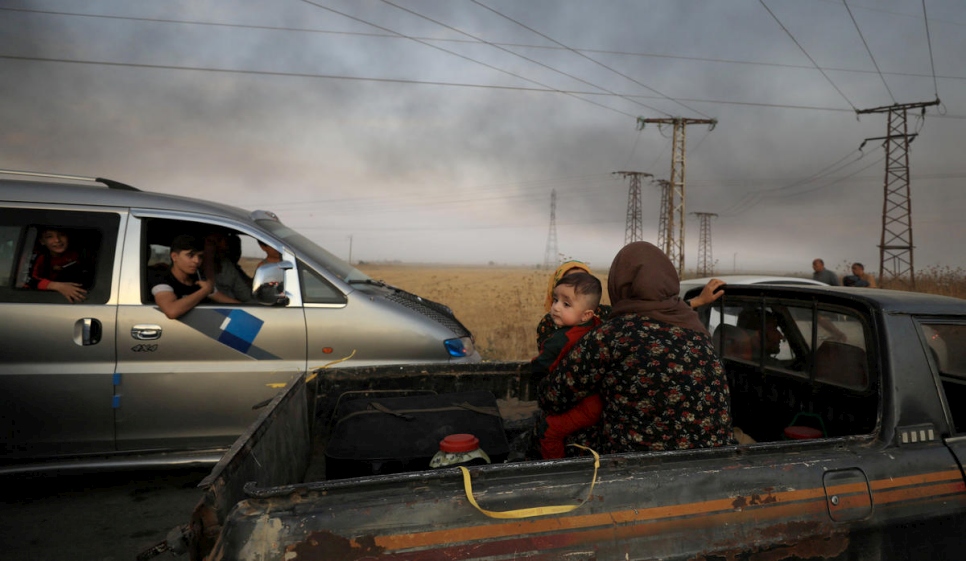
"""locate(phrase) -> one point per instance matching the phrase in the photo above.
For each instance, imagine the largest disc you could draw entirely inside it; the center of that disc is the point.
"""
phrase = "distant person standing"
(822, 274)
(861, 277)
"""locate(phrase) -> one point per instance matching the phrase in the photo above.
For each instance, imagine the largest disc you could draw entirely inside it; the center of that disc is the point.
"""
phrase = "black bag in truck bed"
(376, 436)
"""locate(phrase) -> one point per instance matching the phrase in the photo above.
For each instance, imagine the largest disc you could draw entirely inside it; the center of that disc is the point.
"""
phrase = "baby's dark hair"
(585, 284)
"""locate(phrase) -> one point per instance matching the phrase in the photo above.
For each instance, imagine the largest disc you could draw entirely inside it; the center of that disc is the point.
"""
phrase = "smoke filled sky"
(436, 130)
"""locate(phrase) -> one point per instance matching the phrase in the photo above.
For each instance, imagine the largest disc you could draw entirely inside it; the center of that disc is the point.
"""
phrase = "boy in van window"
(182, 287)
(60, 267)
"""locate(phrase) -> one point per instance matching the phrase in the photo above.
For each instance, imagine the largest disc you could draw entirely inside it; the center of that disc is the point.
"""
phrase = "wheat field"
(501, 306)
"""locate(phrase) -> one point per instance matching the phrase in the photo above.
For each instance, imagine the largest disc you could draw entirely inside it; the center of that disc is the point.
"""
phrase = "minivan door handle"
(87, 331)
(146, 332)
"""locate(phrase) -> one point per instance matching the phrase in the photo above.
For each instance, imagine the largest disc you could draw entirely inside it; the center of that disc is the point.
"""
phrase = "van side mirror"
(268, 286)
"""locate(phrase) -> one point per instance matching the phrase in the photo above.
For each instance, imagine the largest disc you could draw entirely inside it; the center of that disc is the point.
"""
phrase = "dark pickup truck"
(853, 450)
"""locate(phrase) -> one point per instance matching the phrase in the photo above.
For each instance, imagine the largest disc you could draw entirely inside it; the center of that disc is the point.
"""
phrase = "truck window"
(756, 334)
(792, 365)
(947, 348)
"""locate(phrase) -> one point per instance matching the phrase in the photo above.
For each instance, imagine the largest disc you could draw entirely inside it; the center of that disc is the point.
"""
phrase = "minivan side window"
(317, 290)
(230, 254)
(41, 247)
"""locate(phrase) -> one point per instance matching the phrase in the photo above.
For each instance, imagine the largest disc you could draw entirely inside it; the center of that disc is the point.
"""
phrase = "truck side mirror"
(268, 286)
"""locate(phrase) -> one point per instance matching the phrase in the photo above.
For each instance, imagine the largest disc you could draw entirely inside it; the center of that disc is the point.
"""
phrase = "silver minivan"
(111, 381)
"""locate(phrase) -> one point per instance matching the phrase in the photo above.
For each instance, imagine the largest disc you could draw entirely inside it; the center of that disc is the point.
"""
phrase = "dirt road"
(102, 517)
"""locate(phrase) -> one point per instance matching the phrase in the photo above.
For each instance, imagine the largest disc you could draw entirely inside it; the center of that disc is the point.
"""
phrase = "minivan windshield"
(309, 249)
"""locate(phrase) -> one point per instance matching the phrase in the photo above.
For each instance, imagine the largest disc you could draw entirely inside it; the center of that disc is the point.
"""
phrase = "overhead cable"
(458, 55)
(580, 54)
(508, 51)
(801, 48)
(868, 50)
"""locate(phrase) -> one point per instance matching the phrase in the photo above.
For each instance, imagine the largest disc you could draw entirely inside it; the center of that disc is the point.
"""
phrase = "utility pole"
(677, 190)
(633, 229)
(664, 213)
(705, 262)
(551, 256)
(895, 242)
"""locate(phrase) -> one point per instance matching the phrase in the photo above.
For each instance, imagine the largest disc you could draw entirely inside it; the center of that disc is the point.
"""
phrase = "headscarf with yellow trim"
(562, 270)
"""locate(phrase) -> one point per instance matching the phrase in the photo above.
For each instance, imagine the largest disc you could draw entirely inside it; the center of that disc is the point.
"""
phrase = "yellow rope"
(315, 372)
(533, 511)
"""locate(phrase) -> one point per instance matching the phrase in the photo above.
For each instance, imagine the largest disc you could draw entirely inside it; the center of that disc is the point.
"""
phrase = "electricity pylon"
(633, 229)
(551, 255)
(895, 243)
(664, 212)
(705, 262)
(677, 194)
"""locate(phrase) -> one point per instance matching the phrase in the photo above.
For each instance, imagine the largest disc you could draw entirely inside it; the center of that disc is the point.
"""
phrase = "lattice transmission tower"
(675, 239)
(895, 243)
(705, 260)
(663, 213)
(633, 230)
(551, 255)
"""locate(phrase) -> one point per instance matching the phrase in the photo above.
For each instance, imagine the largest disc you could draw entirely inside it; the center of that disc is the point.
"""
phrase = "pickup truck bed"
(883, 479)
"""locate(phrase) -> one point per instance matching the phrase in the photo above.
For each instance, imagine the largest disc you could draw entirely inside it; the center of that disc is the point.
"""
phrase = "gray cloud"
(385, 139)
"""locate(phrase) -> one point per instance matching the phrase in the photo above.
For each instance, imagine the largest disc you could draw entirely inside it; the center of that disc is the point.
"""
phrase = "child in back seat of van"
(60, 267)
(575, 299)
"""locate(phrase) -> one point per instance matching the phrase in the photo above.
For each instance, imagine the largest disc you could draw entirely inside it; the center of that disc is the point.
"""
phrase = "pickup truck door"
(57, 358)
(196, 381)
(946, 339)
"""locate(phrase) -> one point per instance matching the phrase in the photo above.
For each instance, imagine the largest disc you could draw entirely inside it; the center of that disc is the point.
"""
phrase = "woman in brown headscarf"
(652, 362)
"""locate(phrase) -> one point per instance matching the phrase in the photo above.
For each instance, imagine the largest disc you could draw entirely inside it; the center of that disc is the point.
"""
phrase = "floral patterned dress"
(662, 385)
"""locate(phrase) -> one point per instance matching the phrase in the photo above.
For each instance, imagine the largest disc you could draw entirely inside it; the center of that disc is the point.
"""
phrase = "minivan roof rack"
(111, 184)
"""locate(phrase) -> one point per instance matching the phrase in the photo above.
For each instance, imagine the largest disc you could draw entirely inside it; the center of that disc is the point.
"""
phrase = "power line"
(580, 54)
(528, 59)
(573, 93)
(801, 48)
(761, 195)
(868, 50)
(932, 63)
(458, 55)
(499, 43)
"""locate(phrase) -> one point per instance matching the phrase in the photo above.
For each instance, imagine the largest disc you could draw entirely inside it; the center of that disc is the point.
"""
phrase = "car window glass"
(317, 290)
(760, 334)
(795, 370)
(780, 337)
(28, 268)
(947, 348)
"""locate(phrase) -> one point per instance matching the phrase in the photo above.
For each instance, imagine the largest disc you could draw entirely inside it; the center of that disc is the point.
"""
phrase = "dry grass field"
(501, 306)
